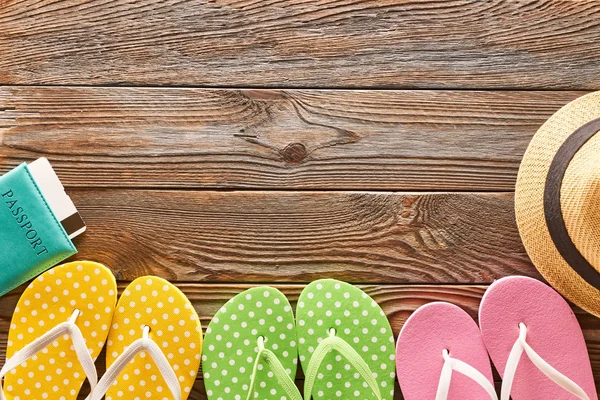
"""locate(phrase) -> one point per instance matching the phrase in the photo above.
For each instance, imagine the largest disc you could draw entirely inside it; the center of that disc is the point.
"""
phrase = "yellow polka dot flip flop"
(58, 328)
(154, 346)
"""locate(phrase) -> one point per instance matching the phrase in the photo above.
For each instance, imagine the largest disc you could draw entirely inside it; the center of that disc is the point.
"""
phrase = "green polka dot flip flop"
(346, 344)
(250, 349)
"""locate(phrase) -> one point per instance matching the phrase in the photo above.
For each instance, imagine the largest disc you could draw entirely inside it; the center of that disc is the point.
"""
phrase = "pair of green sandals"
(340, 335)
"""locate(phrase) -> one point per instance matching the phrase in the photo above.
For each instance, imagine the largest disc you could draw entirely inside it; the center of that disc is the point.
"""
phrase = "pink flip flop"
(438, 339)
(526, 324)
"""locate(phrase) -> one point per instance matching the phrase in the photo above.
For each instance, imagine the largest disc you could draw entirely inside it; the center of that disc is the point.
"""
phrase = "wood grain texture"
(397, 301)
(247, 236)
(317, 43)
(274, 139)
(251, 165)
(199, 392)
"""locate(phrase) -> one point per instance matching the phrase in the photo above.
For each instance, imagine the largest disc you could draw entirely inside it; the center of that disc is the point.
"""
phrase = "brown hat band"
(552, 203)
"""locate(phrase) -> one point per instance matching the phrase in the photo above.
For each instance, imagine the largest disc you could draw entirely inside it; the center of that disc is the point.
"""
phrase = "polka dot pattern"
(231, 345)
(49, 300)
(174, 326)
(356, 318)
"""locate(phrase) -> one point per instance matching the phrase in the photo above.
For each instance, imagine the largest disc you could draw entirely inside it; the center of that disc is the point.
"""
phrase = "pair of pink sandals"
(529, 332)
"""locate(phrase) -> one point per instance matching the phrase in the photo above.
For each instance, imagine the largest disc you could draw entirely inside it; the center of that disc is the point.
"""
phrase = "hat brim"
(529, 201)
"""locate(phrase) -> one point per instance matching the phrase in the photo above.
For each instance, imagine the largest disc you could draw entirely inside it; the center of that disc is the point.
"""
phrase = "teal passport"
(31, 237)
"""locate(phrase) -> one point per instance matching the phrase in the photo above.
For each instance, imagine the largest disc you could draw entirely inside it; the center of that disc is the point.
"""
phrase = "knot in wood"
(294, 153)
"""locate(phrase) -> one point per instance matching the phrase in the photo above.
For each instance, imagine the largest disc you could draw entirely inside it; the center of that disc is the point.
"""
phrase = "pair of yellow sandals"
(66, 316)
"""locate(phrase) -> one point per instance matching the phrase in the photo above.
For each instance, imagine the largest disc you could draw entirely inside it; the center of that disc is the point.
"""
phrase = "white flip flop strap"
(453, 364)
(143, 344)
(66, 328)
(547, 369)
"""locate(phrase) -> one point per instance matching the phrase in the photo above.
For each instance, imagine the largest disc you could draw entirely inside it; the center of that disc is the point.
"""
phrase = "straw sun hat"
(557, 201)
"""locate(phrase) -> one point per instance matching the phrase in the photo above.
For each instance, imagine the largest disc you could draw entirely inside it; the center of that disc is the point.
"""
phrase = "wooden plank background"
(275, 139)
(533, 44)
(227, 143)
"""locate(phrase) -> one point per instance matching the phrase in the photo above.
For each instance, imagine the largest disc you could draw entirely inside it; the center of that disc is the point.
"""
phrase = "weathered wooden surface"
(251, 165)
(274, 139)
(281, 236)
(343, 43)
